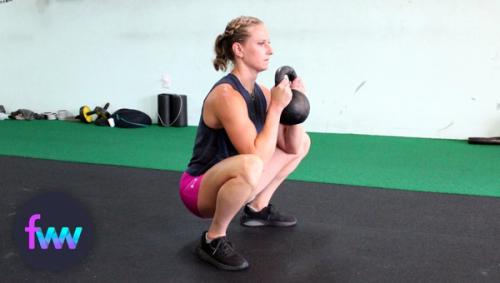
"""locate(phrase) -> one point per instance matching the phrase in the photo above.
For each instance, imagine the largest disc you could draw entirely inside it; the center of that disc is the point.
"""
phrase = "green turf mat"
(152, 147)
(448, 166)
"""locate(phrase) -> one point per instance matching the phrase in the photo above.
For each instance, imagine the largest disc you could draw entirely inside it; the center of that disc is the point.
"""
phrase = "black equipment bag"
(131, 118)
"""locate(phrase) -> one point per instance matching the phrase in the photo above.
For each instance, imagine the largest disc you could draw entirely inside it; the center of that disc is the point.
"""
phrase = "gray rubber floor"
(143, 233)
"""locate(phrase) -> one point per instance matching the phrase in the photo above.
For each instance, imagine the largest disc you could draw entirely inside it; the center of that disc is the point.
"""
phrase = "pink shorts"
(188, 190)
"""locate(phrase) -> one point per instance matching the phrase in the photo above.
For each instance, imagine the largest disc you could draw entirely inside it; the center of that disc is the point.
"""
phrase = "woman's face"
(256, 50)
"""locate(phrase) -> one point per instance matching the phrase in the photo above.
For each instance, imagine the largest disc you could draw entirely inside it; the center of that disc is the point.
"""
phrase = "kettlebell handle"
(298, 109)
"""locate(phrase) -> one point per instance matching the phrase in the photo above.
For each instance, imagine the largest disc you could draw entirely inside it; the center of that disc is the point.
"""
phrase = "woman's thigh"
(248, 167)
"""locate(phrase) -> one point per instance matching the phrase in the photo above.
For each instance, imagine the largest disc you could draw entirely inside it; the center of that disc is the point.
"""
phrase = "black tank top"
(213, 145)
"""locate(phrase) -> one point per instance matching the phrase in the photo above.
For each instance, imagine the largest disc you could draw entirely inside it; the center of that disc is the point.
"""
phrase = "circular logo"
(53, 231)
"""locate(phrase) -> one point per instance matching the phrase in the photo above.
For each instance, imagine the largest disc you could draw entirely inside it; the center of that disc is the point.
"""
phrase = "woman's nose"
(269, 50)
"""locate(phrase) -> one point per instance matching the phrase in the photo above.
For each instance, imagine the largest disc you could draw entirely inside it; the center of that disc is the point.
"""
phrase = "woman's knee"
(251, 169)
(303, 148)
(306, 145)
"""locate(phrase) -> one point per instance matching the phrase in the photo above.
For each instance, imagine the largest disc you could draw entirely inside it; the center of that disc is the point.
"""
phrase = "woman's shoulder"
(224, 94)
(223, 90)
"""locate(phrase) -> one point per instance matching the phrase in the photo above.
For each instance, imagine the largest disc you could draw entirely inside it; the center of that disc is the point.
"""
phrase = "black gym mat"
(345, 234)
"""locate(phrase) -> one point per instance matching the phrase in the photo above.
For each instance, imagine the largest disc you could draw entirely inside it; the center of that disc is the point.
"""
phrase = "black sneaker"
(221, 253)
(268, 216)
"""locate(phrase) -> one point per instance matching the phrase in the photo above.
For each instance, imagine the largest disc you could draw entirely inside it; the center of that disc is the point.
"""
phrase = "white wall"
(383, 67)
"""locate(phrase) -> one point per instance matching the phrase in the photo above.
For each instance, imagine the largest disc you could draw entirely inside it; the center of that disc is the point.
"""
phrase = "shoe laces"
(271, 209)
(224, 247)
(273, 214)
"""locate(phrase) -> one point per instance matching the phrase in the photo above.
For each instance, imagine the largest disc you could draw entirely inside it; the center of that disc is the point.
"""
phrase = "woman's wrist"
(275, 109)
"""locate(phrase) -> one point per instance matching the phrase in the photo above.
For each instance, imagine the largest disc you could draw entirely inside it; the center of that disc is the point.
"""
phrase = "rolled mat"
(164, 109)
(178, 110)
(172, 110)
(478, 140)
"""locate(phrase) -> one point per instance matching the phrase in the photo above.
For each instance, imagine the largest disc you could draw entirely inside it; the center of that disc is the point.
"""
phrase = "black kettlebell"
(297, 110)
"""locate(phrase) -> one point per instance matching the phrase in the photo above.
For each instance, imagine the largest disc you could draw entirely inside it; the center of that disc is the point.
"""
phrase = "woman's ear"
(237, 50)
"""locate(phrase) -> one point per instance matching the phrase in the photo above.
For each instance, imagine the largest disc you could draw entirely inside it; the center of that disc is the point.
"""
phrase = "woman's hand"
(281, 94)
(298, 85)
